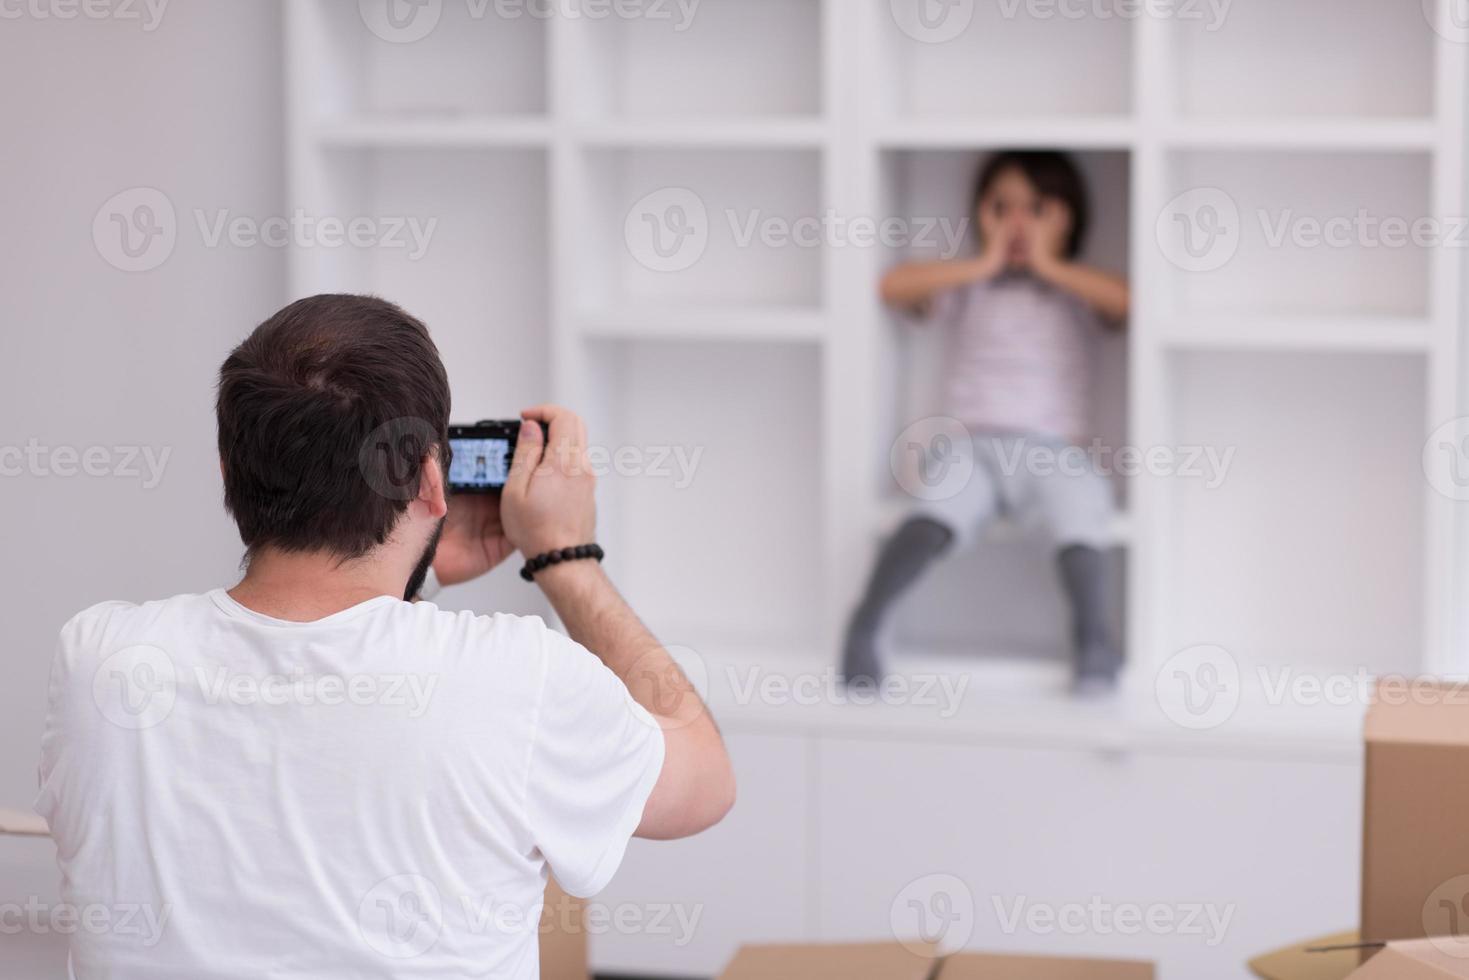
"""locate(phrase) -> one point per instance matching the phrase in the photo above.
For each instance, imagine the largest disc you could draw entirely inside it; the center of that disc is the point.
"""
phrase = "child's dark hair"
(1053, 174)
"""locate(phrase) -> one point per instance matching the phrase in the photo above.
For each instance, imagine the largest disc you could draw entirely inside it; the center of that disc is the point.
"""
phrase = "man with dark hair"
(308, 776)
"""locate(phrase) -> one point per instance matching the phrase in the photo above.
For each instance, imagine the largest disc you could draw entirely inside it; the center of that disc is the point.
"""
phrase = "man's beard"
(415, 581)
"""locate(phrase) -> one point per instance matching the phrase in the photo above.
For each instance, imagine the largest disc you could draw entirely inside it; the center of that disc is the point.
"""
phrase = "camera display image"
(479, 464)
(482, 456)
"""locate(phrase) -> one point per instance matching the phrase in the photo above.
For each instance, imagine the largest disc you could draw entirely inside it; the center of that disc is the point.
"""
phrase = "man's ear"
(431, 489)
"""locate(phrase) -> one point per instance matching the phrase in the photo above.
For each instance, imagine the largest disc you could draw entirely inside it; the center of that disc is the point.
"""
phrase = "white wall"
(93, 356)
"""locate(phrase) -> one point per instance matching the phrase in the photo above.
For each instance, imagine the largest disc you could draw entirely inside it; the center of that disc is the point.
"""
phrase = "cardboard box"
(1414, 843)
(1416, 959)
(562, 932)
(895, 961)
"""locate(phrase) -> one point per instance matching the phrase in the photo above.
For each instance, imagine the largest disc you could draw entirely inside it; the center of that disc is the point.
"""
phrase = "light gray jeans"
(1029, 479)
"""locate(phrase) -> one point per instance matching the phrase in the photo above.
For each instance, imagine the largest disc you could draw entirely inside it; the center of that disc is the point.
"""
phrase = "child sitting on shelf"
(1022, 318)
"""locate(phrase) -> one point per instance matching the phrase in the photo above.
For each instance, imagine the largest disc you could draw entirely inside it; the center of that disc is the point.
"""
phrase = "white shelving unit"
(543, 147)
(534, 142)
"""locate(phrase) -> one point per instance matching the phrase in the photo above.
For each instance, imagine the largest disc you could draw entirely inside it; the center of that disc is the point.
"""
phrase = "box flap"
(22, 822)
(1423, 713)
(1295, 963)
(849, 961)
(1418, 959)
(980, 966)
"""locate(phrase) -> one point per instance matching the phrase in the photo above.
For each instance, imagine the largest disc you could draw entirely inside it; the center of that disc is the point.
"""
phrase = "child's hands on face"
(999, 238)
(1045, 234)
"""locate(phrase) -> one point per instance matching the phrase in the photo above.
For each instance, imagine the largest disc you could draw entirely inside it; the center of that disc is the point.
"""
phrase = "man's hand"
(473, 541)
(549, 500)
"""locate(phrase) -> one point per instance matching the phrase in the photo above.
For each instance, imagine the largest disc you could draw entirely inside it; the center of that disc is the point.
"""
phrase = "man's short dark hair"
(1054, 174)
(325, 414)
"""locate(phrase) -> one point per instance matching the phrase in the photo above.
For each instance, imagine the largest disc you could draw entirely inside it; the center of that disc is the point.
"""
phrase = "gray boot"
(1085, 575)
(904, 557)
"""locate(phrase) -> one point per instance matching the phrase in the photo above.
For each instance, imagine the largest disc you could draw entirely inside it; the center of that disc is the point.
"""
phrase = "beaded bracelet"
(542, 562)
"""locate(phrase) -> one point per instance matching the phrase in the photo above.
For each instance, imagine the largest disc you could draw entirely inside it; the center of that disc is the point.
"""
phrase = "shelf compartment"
(1307, 58)
(446, 61)
(481, 283)
(1327, 477)
(727, 58)
(696, 560)
(674, 229)
(1266, 248)
(995, 62)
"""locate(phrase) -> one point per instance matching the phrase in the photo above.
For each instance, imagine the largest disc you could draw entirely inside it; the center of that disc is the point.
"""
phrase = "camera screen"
(479, 464)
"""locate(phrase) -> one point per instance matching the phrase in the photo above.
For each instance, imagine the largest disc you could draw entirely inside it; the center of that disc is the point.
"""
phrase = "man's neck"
(305, 586)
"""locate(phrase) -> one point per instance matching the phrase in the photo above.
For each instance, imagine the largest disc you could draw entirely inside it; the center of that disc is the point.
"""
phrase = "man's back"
(375, 793)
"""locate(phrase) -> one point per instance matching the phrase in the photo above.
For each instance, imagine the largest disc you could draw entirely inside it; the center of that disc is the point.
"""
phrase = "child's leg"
(923, 537)
(1076, 504)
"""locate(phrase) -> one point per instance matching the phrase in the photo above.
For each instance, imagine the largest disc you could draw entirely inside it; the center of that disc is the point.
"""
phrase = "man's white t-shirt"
(374, 794)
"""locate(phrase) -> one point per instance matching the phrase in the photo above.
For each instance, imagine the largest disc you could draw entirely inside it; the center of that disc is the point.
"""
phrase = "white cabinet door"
(1195, 862)
(683, 907)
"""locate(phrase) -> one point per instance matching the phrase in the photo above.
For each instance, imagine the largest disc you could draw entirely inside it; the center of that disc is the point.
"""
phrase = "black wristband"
(577, 553)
